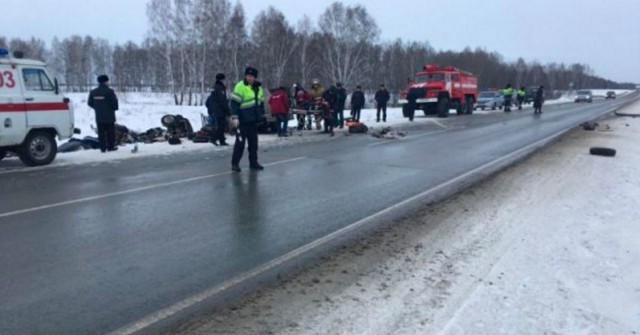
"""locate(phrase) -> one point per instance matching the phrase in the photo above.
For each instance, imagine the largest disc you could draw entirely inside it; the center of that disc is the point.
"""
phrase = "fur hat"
(103, 78)
(220, 76)
(251, 71)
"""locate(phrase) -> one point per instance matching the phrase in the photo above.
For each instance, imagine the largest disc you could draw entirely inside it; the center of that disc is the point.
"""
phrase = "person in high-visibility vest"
(507, 94)
(247, 108)
(521, 94)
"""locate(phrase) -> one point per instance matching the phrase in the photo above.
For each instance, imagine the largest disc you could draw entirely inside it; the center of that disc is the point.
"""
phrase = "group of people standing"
(538, 100)
(332, 103)
(246, 110)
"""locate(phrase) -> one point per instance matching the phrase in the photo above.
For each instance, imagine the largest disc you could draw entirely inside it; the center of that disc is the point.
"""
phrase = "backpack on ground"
(357, 128)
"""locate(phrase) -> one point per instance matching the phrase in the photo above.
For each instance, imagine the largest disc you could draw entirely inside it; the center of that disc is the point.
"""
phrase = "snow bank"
(549, 246)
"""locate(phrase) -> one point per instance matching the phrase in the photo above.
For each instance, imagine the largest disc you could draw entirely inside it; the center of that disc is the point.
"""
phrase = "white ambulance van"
(33, 112)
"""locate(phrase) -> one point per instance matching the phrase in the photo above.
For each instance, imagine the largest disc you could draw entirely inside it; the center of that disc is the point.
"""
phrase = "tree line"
(189, 41)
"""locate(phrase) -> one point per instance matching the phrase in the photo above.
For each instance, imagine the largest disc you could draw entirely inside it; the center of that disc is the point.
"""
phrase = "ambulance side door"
(45, 108)
(13, 116)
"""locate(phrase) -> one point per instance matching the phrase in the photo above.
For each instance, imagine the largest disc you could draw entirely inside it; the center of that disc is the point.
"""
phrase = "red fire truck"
(436, 90)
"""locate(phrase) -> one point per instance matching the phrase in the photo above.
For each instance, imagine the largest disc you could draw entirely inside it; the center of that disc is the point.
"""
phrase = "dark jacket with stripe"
(104, 102)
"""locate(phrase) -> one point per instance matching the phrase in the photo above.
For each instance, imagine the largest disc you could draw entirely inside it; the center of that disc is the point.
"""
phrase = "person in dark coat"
(218, 108)
(338, 110)
(357, 103)
(538, 100)
(382, 98)
(329, 100)
(104, 102)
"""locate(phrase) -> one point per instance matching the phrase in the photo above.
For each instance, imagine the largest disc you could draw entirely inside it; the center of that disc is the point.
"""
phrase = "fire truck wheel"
(3, 154)
(443, 107)
(39, 148)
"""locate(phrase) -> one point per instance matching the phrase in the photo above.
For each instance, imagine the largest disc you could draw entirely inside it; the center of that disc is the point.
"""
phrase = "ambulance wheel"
(39, 148)
(3, 154)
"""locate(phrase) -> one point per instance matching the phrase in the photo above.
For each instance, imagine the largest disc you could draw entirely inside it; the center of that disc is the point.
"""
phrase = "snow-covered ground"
(549, 246)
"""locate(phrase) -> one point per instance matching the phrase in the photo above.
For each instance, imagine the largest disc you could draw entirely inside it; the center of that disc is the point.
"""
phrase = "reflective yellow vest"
(245, 95)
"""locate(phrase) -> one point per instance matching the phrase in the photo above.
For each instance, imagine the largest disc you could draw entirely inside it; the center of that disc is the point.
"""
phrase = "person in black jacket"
(382, 98)
(218, 107)
(357, 102)
(338, 110)
(329, 99)
(105, 104)
(538, 100)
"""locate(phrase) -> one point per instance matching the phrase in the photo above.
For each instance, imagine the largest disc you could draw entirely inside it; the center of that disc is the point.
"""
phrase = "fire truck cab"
(435, 90)
(32, 110)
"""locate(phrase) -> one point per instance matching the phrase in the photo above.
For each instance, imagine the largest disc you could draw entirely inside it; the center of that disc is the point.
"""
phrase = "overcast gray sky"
(602, 33)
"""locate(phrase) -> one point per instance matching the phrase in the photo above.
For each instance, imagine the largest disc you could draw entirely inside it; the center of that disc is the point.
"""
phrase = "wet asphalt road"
(115, 242)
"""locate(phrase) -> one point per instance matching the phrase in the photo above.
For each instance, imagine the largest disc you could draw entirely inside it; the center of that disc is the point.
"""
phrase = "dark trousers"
(221, 126)
(328, 126)
(338, 117)
(355, 113)
(106, 136)
(282, 123)
(383, 108)
(520, 102)
(411, 109)
(507, 104)
(247, 132)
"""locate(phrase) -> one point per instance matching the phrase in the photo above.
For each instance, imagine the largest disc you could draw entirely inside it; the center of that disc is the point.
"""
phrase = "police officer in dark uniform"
(218, 107)
(105, 104)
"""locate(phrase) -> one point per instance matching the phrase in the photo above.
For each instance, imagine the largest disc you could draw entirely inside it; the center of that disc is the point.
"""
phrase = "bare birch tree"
(276, 40)
(348, 32)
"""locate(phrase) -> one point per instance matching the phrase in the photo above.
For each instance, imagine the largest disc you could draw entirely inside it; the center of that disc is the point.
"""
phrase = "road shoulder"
(550, 245)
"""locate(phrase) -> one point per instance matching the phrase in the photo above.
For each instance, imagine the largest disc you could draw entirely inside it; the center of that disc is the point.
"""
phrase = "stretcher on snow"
(306, 117)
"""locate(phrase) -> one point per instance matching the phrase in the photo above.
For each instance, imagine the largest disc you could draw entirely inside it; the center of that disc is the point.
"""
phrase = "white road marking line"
(197, 298)
(211, 292)
(133, 190)
(438, 123)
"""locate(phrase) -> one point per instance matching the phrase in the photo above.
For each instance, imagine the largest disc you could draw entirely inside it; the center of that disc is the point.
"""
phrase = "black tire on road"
(598, 151)
(443, 107)
(469, 105)
(3, 154)
(39, 148)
